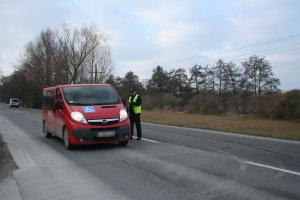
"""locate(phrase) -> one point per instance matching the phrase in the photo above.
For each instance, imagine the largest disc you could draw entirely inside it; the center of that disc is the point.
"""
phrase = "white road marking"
(148, 140)
(275, 168)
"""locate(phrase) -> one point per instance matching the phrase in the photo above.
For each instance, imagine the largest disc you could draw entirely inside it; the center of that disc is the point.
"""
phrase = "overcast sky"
(169, 33)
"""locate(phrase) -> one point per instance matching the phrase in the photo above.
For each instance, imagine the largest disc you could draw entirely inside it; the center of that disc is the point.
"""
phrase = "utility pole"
(94, 78)
(95, 74)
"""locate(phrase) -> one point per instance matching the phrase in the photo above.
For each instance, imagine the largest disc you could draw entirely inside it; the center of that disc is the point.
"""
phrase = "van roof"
(75, 85)
(94, 84)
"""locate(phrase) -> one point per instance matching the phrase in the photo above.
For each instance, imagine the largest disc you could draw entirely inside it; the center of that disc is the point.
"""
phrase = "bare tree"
(210, 84)
(180, 82)
(233, 77)
(68, 55)
(79, 45)
(42, 59)
(0, 68)
(102, 64)
(62, 56)
(86, 50)
(197, 77)
(258, 75)
(220, 76)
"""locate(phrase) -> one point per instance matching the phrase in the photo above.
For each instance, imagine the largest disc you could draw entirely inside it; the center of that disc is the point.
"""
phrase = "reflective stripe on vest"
(136, 109)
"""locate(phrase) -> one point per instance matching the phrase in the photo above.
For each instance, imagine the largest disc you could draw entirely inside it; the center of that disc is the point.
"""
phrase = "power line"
(235, 49)
(270, 53)
(238, 58)
(232, 50)
(258, 44)
(261, 51)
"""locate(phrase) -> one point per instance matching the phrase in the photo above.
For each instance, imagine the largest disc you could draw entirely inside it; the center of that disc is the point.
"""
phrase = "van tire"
(66, 139)
(123, 143)
(46, 132)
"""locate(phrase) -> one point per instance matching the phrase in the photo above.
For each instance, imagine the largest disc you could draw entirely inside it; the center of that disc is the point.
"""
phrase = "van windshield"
(15, 100)
(90, 95)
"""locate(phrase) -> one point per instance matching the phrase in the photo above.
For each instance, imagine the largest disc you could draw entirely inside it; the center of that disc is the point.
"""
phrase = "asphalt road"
(170, 163)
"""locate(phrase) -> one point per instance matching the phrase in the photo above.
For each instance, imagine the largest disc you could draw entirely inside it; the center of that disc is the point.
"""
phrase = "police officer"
(134, 110)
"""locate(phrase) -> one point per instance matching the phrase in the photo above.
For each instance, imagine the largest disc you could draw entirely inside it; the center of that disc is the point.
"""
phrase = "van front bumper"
(14, 105)
(92, 135)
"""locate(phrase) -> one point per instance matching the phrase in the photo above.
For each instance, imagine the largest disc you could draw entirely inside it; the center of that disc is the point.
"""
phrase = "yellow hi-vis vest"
(136, 109)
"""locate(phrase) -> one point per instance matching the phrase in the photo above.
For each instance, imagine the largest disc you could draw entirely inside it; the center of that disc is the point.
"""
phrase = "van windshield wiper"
(79, 104)
(105, 103)
(90, 104)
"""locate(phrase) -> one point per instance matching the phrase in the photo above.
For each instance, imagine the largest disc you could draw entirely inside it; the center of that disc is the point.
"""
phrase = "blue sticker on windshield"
(88, 109)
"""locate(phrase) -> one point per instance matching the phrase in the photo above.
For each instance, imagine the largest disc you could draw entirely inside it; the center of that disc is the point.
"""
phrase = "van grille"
(103, 122)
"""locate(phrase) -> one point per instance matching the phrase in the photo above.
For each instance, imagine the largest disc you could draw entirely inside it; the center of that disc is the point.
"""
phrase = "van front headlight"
(123, 114)
(78, 116)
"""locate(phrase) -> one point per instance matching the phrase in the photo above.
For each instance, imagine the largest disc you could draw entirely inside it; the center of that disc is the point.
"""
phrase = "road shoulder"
(8, 185)
(7, 163)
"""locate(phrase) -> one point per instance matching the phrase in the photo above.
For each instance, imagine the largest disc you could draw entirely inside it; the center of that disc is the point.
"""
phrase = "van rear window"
(90, 95)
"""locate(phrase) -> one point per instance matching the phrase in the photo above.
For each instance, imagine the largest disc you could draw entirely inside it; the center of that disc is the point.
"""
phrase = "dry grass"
(236, 124)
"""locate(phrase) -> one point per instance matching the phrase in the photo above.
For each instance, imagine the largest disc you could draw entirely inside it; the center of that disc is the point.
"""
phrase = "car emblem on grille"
(104, 121)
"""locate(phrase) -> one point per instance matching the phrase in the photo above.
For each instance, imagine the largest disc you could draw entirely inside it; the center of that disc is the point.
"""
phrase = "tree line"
(221, 89)
(66, 55)
(70, 55)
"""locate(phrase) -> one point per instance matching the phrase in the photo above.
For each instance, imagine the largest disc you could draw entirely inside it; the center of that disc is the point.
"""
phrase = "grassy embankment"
(236, 124)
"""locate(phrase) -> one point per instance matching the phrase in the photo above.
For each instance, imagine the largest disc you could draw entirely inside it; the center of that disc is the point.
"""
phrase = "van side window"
(48, 99)
(58, 94)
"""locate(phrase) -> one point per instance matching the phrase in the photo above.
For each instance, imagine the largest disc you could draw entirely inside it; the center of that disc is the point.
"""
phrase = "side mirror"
(58, 104)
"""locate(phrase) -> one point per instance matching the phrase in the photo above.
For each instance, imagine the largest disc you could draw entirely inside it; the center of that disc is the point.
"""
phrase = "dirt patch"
(7, 163)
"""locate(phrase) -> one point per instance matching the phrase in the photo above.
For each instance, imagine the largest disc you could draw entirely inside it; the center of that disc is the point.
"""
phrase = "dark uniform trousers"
(136, 119)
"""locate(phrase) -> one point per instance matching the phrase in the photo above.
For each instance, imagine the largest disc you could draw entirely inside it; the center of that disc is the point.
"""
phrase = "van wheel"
(45, 131)
(123, 143)
(66, 139)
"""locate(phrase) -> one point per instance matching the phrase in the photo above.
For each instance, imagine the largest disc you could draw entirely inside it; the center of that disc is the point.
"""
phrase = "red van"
(85, 114)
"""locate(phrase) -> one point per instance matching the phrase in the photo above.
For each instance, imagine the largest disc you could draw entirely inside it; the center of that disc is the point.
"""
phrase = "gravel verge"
(7, 163)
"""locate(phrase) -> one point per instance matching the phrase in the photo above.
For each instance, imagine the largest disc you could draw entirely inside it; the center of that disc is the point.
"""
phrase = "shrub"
(289, 107)
(172, 102)
(161, 101)
(147, 103)
(243, 103)
(266, 104)
(205, 103)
